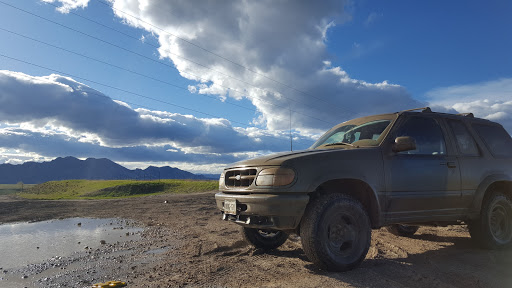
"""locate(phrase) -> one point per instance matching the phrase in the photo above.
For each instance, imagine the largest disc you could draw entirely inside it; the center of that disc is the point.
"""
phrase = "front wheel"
(493, 230)
(335, 232)
(264, 238)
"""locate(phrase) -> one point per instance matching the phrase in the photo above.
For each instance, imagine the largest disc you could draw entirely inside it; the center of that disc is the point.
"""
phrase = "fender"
(376, 216)
(476, 205)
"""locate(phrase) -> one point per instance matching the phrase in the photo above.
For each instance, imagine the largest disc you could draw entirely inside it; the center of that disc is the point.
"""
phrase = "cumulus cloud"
(55, 144)
(68, 5)
(490, 100)
(276, 58)
(273, 57)
(63, 103)
(57, 116)
(16, 156)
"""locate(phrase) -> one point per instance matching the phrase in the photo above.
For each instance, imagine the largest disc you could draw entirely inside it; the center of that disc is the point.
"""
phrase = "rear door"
(469, 156)
(423, 183)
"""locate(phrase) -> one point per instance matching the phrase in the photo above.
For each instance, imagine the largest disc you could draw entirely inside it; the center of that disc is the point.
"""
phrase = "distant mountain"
(91, 169)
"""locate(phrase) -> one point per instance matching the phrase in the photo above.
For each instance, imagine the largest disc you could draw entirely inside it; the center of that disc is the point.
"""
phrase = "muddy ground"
(185, 243)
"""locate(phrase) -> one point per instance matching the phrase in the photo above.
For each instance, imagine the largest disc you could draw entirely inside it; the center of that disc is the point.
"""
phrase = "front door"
(424, 182)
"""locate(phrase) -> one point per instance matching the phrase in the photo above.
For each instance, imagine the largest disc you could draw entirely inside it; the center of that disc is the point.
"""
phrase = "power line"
(119, 67)
(151, 59)
(120, 89)
(133, 93)
(220, 56)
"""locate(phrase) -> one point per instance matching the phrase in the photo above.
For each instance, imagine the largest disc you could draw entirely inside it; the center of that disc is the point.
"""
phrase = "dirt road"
(185, 243)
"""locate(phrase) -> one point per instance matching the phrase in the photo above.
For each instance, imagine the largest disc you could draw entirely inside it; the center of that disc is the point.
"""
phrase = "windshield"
(354, 134)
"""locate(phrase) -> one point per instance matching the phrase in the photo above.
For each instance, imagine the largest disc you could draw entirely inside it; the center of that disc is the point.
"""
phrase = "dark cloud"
(57, 145)
(62, 102)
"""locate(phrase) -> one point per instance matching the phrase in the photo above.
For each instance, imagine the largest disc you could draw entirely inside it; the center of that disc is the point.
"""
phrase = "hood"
(279, 158)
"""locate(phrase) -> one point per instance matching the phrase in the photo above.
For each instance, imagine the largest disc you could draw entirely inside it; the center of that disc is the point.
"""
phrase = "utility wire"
(151, 59)
(122, 90)
(121, 68)
(133, 93)
(220, 56)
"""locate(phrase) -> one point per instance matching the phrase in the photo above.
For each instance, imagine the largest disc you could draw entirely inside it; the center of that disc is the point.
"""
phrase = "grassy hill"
(101, 189)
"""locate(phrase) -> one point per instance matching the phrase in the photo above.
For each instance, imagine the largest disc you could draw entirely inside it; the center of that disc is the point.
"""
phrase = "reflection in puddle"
(27, 243)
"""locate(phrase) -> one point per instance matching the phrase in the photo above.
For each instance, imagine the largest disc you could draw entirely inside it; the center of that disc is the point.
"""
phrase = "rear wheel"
(264, 238)
(493, 230)
(335, 232)
(402, 230)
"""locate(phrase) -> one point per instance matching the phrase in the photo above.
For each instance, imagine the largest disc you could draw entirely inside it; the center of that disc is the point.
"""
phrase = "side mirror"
(404, 143)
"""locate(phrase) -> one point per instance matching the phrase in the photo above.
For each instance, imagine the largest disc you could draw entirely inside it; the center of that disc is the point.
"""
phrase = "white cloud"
(500, 89)
(214, 168)
(68, 5)
(71, 107)
(269, 56)
(283, 44)
(372, 18)
(490, 100)
(57, 116)
(494, 110)
(16, 156)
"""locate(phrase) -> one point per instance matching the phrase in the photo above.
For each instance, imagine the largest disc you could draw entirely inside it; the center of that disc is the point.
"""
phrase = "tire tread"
(310, 236)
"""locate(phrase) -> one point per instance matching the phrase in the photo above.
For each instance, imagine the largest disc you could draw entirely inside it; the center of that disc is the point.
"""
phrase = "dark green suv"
(400, 170)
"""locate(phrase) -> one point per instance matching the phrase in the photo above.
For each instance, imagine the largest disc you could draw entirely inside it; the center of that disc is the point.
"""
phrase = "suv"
(401, 170)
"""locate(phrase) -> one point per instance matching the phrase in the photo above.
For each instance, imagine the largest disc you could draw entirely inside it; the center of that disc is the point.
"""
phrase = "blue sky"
(426, 44)
(203, 84)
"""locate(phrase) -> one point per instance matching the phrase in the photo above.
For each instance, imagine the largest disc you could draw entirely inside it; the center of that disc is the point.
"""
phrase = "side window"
(427, 133)
(496, 139)
(465, 141)
(339, 134)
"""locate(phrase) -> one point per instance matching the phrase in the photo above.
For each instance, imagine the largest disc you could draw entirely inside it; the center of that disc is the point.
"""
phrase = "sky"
(201, 84)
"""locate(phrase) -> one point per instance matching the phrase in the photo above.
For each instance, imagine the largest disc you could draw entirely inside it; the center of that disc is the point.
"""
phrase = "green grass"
(6, 189)
(103, 189)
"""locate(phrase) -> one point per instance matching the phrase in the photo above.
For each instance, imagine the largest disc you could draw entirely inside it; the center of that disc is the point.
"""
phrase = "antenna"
(291, 138)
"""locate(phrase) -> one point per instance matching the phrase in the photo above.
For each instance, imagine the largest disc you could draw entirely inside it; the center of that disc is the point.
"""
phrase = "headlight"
(275, 177)
(221, 180)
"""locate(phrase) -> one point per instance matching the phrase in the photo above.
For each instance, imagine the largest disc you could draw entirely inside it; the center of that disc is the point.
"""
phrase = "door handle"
(450, 164)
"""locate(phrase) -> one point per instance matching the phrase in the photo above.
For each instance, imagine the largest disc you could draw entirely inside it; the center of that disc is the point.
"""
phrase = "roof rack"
(423, 110)
(470, 115)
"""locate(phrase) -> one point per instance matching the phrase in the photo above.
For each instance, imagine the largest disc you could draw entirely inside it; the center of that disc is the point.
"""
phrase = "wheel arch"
(357, 189)
(490, 184)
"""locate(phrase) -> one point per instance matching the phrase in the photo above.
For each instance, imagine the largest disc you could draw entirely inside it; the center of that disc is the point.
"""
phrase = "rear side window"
(496, 139)
(465, 141)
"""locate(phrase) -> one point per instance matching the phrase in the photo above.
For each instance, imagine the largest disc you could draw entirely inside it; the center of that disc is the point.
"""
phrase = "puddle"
(29, 243)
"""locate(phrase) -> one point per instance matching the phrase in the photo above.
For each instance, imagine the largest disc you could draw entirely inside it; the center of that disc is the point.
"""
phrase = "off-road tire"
(264, 238)
(335, 232)
(402, 230)
(493, 230)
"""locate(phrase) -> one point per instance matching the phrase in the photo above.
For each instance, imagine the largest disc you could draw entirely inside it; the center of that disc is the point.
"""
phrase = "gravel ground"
(185, 243)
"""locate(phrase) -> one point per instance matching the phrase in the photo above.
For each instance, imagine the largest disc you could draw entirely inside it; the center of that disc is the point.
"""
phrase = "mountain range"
(91, 169)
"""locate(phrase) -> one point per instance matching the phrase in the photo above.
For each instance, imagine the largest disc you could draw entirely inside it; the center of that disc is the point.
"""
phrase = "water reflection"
(26, 243)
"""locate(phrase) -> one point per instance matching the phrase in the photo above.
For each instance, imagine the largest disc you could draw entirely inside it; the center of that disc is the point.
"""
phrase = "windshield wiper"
(339, 143)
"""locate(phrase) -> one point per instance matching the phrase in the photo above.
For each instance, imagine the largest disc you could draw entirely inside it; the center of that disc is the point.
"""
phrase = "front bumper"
(274, 211)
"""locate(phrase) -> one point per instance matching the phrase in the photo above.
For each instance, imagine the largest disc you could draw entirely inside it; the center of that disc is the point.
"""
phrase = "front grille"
(240, 178)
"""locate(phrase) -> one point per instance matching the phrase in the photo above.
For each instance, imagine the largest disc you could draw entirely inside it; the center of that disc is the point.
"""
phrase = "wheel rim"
(500, 222)
(342, 236)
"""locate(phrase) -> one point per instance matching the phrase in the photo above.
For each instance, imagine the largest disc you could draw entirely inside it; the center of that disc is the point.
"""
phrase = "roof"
(466, 116)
